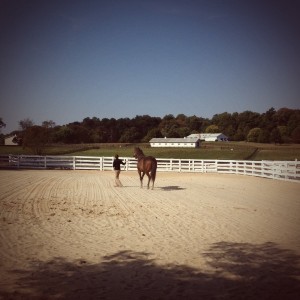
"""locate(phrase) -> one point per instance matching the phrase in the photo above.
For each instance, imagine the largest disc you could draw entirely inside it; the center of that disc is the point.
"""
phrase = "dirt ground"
(73, 235)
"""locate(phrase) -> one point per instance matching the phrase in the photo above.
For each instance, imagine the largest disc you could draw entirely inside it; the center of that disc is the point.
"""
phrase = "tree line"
(281, 126)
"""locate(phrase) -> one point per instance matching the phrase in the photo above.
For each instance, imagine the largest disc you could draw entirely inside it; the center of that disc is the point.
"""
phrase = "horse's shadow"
(171, 188)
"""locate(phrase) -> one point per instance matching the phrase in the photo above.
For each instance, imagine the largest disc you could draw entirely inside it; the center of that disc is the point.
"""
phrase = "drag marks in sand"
(80, 217)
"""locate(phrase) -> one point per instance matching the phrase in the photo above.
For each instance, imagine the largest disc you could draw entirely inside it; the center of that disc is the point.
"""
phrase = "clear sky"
(67, 60)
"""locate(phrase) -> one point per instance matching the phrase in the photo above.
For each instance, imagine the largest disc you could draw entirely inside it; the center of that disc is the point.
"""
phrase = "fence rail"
(284, 170)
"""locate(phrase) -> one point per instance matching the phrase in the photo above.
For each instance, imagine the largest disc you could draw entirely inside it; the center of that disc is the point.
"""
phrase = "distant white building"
(187, 142)
(9, 141)
(210, 137)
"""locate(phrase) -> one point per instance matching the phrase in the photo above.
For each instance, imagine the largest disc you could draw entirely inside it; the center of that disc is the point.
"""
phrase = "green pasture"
(228, 150)
(279, 154)
(173, 153)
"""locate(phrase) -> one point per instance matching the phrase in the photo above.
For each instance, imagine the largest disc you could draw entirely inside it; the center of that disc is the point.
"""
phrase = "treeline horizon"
(281, 126)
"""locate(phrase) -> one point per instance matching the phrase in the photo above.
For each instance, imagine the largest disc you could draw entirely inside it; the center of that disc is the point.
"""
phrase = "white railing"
(285, 170)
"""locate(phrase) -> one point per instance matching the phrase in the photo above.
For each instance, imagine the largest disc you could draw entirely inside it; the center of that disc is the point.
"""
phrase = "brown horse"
(145, 165)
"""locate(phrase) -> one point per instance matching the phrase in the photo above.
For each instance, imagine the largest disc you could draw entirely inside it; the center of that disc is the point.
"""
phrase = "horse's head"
(137, 152)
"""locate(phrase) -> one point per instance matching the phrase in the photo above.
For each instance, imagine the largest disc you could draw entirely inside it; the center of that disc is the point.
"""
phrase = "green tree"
(183, 131)
(264, 136)
(130, 135)
(48, 124)
(168, 126)
(181, 120)
(246, 121)
(96, 136)
(293, 121)
(253, 135)
(224, 121)
(230, 132)
(152, 133)
(212, 129)
(284, 134)
(275, 136)
(35, 138)
(91, 123)
(63, 134)
(25, 124)
(268, 119)
(79, 134)
(283, 116)
(173, 131)
(296, 135)
(195, 124)
(2, 124)
(239, 135)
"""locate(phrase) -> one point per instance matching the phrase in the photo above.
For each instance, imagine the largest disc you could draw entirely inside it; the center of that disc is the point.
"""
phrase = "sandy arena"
(73, 235)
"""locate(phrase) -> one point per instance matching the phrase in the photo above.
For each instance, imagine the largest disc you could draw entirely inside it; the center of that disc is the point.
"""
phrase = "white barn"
(210, 137)
(187, 142)
(9, 141)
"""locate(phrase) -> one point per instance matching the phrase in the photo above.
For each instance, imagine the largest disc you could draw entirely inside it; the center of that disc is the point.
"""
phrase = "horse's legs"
(149, 178)
(152, 183)
(141, 177)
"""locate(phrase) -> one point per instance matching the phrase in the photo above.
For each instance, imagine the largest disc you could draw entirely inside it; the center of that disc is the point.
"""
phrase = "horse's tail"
(153, 170)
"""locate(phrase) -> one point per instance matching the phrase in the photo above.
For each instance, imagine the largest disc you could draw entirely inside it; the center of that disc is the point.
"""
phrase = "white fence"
(285, 170)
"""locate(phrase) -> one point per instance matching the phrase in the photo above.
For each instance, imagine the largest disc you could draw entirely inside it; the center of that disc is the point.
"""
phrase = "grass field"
(228, 150)
(200, 153)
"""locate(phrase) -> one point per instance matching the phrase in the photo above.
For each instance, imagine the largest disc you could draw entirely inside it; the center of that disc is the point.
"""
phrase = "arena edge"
(282, 170)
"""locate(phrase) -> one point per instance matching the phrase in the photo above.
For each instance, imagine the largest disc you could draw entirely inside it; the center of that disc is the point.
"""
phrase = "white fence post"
(284, 170)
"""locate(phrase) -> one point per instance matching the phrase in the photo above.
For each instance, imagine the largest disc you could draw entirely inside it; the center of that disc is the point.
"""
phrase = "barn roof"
(10, 136)
(175, 140)
(206, 135)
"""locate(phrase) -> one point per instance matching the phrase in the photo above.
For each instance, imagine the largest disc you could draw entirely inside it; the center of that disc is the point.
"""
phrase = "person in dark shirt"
(117, 167)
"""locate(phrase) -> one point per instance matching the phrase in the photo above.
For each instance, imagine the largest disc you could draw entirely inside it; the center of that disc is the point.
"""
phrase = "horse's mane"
(139, 151)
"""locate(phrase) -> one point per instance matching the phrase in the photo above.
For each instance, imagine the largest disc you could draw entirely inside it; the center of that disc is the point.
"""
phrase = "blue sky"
(68, 60)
